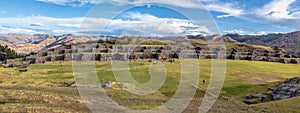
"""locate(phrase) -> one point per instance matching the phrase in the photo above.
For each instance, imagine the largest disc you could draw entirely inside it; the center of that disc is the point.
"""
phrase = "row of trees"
(7, 53)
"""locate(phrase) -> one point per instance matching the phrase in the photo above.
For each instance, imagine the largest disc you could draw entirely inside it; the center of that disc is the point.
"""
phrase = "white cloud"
(277, 9)
(16, 30)
(60, 2)
(29, 25)
(229, 9)
(137, 23)
(73, 3)
(277, 12)
(242, 32)
(69, 25)
(179, 3)
(235, 31)
(39, 20)
(151, 25)
(258, 33)
(3, 12)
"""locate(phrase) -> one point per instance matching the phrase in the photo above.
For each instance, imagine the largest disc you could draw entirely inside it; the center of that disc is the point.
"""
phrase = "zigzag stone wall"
(102, 52)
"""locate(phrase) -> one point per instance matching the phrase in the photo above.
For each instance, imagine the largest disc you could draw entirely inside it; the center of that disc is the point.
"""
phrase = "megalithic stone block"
(49, 53)
(77, 56)
(44, 54)
(81, 46)
(88, 57)
(53, 58)
(68, 57)
(87, 50)
(120, 57)
(48, 58)
(60, 58)
(61, 52)
(68, 51)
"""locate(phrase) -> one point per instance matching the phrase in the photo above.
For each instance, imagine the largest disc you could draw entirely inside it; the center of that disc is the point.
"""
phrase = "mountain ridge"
(287, 41)
(25, 44)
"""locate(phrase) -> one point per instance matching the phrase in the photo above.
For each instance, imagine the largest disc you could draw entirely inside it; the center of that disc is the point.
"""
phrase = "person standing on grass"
(171, 61)
(60, 64)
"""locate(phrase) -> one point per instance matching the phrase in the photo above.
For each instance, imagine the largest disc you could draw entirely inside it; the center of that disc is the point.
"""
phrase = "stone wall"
(103, 52)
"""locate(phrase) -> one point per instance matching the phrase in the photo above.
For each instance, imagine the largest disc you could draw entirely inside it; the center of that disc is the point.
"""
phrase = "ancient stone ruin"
(287, 89)
(15, 63)
(284, 90)
(107, 52)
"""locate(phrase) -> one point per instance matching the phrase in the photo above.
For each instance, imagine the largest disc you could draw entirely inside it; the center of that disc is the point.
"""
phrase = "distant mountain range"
(24, 44)
(289, 41)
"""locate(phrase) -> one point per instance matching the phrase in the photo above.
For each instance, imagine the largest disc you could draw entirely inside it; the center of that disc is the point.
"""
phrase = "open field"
(37, 90)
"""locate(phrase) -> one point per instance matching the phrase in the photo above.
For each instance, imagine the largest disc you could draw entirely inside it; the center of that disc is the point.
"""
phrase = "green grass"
(242, 78)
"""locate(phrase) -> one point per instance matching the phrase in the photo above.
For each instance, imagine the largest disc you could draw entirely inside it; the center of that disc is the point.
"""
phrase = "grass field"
(34, 91)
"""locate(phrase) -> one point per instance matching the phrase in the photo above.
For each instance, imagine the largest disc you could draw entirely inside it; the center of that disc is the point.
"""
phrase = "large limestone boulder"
(287, 89)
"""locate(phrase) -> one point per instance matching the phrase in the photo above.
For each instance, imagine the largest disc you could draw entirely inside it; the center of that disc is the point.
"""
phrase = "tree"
(7, 53)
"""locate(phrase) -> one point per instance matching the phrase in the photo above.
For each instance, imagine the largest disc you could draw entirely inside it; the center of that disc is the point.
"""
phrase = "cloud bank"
(134, 24)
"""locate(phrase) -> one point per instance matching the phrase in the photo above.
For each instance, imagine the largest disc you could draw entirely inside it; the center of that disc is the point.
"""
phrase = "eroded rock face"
(287, 89)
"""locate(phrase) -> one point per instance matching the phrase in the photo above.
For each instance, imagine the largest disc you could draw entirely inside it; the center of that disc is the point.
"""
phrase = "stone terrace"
(107, 52)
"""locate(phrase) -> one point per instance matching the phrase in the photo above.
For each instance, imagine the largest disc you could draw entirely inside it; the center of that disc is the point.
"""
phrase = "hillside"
(25, 44)
(288, 41)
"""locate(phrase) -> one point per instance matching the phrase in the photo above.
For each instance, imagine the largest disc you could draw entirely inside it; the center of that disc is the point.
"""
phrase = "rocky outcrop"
(284, 90)
(287, 89)
(15, 63)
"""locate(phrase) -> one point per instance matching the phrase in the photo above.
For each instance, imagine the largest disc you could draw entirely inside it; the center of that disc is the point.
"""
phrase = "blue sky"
(149, 17)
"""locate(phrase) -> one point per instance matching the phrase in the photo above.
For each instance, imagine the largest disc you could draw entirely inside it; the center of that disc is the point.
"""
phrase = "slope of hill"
(225, 39)
(289, 41)
(25, 44)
